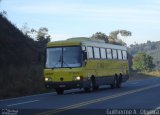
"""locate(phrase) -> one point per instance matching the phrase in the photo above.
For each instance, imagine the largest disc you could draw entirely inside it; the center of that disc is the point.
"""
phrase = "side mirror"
(84, 55)
(84, 58)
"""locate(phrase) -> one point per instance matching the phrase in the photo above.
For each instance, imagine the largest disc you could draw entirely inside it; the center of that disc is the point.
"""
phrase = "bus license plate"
(62, 85)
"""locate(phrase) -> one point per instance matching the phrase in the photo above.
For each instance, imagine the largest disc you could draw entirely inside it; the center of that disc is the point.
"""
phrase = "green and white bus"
(85, 64)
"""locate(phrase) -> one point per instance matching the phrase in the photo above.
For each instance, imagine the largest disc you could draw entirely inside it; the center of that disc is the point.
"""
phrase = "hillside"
(151, 48)
(15, 48)
(20, 62)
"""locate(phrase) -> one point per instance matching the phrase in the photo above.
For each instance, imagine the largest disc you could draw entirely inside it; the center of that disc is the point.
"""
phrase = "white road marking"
(28, 96)
(97, 100)
(22, 103)
(158, 107)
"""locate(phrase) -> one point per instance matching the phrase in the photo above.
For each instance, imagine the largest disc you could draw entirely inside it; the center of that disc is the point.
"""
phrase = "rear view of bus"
(84, 64)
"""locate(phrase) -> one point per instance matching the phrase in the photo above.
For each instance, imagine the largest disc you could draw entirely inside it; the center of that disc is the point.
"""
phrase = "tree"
(113, 37)
(125, 33)
(42, 34)
(100, 36)
(3, 13)
(114, 34)
(25, 29)
(116, 41)
(143, 62)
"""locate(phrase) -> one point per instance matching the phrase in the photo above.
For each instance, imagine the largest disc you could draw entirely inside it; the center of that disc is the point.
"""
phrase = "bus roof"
(63, 43)
(94, 43)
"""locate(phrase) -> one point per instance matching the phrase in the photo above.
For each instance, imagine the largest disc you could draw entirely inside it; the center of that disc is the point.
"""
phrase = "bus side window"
(90, 52)
(124, 53)
(103, 53)
(114, 53)
(83, 48)
(96, 53)
(119, 55)
(109, 54)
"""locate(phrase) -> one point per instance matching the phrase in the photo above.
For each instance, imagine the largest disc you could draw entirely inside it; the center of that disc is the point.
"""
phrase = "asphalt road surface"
(135, 97)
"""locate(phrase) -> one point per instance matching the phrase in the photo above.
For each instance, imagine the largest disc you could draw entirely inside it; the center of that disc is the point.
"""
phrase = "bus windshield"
(63, 57)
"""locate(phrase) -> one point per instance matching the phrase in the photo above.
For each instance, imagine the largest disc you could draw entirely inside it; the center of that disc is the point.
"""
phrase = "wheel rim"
(91, 86)
(115, 82)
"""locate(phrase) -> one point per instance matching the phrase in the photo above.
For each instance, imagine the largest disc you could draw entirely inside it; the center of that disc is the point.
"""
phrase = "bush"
(20, 81)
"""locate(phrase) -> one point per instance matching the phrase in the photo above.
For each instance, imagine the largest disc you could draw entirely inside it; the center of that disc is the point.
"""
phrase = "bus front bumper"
(64, 85)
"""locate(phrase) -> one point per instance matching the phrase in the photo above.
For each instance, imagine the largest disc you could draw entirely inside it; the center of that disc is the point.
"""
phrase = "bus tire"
(59, 91)
(119, 81)
(86, 89)
(96, 87)
(114, 84)
(91, 86)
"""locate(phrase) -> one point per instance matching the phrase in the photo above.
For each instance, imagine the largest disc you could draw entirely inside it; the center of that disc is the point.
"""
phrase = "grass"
(134, 75)
(152, 73)
(21, 81)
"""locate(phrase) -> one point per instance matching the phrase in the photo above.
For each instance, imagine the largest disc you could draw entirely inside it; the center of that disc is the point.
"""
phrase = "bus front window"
(67, 57)
(54, 57)
(71, 57)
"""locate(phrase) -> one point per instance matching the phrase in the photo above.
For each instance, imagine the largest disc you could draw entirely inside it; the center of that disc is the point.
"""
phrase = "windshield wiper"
(60, 60)
(67, 64)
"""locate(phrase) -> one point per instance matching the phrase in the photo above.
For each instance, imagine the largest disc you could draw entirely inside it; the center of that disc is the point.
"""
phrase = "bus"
(85, 64)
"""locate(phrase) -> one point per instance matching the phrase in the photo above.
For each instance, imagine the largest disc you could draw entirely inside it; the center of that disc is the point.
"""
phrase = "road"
(139, 95)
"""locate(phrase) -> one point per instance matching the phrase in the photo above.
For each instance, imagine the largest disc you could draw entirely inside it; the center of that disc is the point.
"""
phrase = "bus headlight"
(77, 78)
(46, 79)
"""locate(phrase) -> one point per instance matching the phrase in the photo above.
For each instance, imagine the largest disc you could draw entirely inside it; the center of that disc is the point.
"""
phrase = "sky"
(82, 18)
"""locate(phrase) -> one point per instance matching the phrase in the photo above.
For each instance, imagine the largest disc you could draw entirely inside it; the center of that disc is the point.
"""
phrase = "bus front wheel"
(91, 86)
(59, 91)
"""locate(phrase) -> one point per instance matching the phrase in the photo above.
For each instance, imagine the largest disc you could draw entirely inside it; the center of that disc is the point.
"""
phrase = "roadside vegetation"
(151, 73)
(142, 62)
(21, 60)
(146, 58)
(150, 48)
(21, 81)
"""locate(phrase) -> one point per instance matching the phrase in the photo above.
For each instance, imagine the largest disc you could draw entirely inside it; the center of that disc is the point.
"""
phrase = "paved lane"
(133, 94)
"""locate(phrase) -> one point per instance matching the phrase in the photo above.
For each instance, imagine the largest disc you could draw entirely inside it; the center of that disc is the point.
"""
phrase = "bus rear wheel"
(119, 81)
(59, 91)
(115, 83)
